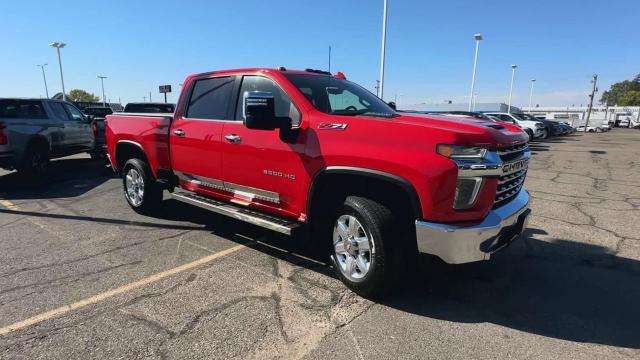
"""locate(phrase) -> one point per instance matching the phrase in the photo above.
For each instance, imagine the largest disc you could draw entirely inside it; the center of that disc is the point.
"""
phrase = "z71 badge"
(331, 126)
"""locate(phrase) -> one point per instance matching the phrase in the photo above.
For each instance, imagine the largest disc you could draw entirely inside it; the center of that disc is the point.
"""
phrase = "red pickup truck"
(306, 150)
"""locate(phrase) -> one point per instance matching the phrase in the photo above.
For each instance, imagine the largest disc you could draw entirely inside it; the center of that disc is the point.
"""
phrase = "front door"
(196, 132)
(260, 169)
(78, 129)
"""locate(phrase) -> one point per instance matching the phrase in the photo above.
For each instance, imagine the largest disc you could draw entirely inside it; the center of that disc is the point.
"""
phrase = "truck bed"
(150, 132)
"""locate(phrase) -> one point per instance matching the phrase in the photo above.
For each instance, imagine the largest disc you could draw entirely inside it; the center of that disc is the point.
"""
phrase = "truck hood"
(469, 130)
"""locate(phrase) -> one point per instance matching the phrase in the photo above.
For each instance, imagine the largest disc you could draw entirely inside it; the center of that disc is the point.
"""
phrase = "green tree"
(630, 98)
(81, 95)
(612, 96)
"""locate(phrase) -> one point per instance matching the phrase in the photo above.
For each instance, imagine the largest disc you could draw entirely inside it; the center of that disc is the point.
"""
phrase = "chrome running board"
(274, 223)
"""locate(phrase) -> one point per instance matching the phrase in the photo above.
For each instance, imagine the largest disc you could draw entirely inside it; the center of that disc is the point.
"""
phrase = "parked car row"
(534, 127)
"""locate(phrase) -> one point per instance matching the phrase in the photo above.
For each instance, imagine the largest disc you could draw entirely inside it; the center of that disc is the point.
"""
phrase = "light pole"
(593, 94)
(531, 94)
(478, 37)
(104, 99)
(513, 75)
(384, 44)
(44, 78)
(58, 46)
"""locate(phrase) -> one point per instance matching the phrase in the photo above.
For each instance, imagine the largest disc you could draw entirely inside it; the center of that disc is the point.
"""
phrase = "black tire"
(35, 163)
(545, 134)
(530, 133)
(377, 222)
(148, 200)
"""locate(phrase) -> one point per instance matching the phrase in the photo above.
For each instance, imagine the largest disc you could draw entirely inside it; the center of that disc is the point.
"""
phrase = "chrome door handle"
(178, 132)
(233, 138)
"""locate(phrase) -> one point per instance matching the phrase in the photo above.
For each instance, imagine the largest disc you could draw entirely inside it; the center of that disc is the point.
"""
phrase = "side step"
(280, 225)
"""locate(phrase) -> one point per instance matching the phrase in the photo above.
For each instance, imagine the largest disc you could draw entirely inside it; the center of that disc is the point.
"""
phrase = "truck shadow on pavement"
(67, 178)
(560, 289)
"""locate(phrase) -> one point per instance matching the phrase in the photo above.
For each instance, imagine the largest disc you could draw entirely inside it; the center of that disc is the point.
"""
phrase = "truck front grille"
(512, 152)
(508, 187)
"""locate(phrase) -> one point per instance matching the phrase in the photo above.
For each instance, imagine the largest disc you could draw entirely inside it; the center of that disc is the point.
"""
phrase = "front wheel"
(545, 134)
(530, 133)
(140, 189)
(361, 256)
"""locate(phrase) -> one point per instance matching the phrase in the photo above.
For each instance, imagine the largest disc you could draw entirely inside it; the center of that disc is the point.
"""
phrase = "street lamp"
(104, 99)
(382, 52)
(513, 75)
(478, 37)
(531, 94)
(58, 46)
(44, 78)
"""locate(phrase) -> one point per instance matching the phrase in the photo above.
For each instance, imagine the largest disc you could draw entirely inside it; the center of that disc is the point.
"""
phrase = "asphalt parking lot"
(83, 276)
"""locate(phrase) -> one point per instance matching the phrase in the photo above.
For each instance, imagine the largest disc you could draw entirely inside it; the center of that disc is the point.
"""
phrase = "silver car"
(33, 131)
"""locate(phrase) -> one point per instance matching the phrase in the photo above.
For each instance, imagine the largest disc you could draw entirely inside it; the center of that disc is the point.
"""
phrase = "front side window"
(59, 111)
(22, 109)
(283, 105)
(339, 97)
(76, 115)
(210, 98)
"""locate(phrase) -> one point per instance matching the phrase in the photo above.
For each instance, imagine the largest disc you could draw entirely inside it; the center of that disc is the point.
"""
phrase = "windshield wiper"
(363, 112)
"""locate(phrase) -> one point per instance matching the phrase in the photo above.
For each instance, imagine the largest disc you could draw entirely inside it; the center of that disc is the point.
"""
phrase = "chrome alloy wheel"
(135, 187)
(353, 248)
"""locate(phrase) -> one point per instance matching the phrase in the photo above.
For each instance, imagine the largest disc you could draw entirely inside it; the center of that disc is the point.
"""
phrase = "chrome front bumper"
(462, 244)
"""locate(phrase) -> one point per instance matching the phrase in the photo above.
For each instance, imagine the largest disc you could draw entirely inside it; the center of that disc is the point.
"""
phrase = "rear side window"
(210, 98)
(22, 109)
(58, 111)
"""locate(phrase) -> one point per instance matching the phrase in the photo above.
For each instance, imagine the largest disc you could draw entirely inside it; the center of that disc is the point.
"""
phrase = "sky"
(140, 45)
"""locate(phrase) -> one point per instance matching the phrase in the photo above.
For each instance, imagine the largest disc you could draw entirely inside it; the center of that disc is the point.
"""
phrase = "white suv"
(534, 129)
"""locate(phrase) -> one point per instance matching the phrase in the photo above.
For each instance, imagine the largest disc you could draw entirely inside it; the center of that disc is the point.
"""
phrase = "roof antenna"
(329, 59)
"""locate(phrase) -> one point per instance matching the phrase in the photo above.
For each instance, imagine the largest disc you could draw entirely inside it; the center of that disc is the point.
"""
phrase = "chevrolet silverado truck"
(33, 131)
(308, 151)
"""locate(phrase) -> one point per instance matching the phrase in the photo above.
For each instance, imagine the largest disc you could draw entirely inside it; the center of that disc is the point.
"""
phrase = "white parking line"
(117, 291)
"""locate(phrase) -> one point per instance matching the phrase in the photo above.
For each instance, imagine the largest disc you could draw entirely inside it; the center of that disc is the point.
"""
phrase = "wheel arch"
(353, 175)
(126, 150)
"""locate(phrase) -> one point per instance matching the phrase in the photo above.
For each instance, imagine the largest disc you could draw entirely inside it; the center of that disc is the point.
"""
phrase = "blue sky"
(142, 44)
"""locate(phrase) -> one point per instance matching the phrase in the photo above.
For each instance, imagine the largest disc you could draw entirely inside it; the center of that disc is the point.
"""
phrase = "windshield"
(339, 97)
(99, 112)
(527, 117)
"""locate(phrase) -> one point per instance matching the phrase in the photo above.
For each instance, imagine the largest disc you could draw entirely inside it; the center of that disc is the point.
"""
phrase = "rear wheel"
(361, 255)
(35, 163)
(140, 189)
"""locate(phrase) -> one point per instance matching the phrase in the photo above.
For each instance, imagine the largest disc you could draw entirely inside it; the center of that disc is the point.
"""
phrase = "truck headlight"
(539, 125)
(461, 152)
(467, 191)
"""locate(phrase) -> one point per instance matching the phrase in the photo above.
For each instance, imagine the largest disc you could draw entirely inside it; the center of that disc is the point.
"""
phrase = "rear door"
(59, 139)
(196, 132)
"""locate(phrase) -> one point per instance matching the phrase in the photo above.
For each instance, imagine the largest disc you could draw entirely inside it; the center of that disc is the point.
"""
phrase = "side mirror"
(392, 105)
(259, 111)
(90, 118)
